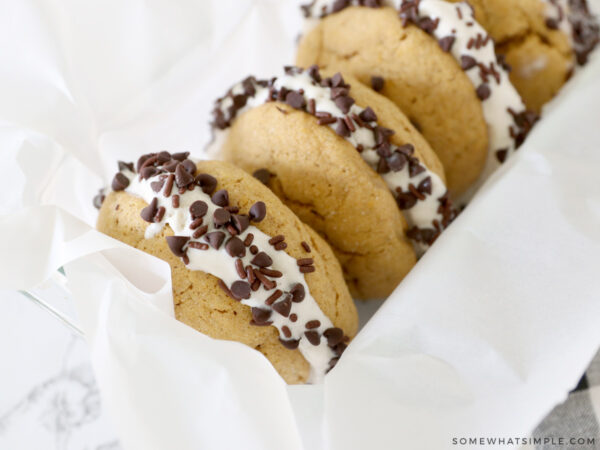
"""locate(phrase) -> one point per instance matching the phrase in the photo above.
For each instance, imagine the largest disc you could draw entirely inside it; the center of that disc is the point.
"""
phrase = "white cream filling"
(421, 215)
(220, 264)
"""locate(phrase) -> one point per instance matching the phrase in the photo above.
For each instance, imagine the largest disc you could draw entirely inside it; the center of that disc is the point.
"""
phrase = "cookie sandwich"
(347, 162)
(244, 267)
(438, 65)
(541, 40)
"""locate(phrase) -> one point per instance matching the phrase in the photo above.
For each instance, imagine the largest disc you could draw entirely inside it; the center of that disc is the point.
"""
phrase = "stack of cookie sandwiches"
(459, 71)
(337, 175)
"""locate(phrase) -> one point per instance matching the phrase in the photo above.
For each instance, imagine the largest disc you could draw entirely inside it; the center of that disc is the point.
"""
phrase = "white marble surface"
(49, 399)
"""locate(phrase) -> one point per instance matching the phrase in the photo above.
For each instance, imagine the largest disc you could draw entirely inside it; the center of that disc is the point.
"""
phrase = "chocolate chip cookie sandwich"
(541, 40)
(244, 267)
(347, 162)
(438, 65)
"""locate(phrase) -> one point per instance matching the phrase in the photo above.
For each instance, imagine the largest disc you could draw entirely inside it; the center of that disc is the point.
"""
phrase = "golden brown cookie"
(244, 267)
(423, 80)
(347, 162)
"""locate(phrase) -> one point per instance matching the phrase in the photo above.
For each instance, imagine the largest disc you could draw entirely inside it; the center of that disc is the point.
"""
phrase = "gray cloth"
(577, 417)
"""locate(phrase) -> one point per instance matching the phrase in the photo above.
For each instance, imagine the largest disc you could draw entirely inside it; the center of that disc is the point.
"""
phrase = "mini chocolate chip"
(258, 211)
(414, 167)
(125, 166)
(382, 134)
(149, 211)
(148, 171)
(425, 186)
(334, 336)
(339, 349)
(298, 293)
(221, 216)
(483, 91)
(215, 239)
(240, 289)
(171, 166)
(552, 23)
(142, 159)
(180, 156)
(220, 198)
(157, 185)
(253, 249)
(286, 331)
(368, 115)
(283, 307)
(235, 247)
(259, 315)
(502, 154)
(446, 43)
(313, 72)
(262, 260)
(467, 62)
(406, 149)
(241, 222)
(339, 92)
(290, 344)
(189, 166)
(198, 209)
(305, 246)
(382, 166)
(377, 83)
(119, 182)
(163, 157)
(396, 161)
(338, 5)
(262, 175)
(182, 176)
(295, 100)
(344, 103)
(341, 128)
(313, 337)
(293, 317)
(176, 244)
(98, 199)
(207, 182)
(406, 200)
(337, 80)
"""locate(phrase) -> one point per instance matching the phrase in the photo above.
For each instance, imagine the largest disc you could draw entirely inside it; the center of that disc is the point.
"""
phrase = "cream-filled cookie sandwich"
(347, 162)
(438, 65)
(541, 40)
(243, 266)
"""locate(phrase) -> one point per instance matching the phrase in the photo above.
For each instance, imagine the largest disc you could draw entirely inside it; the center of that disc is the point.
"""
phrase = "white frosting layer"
(425, 211)
(220, 264)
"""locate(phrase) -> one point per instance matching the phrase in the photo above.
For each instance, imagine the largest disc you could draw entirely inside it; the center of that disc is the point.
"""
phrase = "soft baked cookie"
(439, 66)
(347, 162)
(244, 268)
(541, 41)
